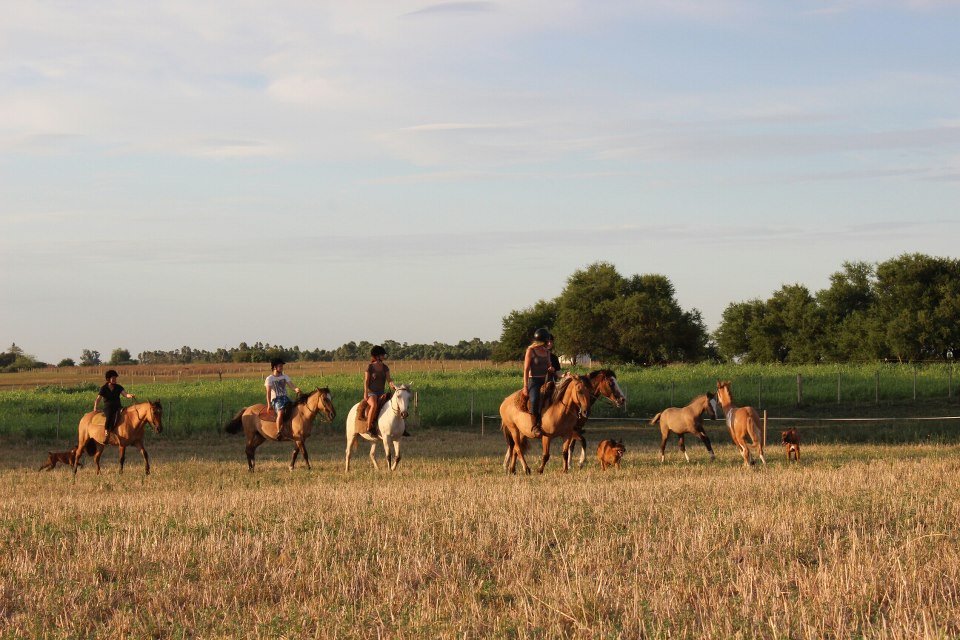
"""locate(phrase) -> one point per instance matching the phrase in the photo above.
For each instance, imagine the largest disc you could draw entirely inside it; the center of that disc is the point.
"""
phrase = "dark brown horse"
(572, 401)
(688, 419)
(93, 438)
(743, 423)
(604, 383)
(297, 424)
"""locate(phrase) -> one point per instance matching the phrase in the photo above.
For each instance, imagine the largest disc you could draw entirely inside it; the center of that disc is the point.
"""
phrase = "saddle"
(100, 419)
(361, 422)
(268, 415)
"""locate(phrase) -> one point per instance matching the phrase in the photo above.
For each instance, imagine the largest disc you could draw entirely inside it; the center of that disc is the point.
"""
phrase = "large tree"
(518, 328)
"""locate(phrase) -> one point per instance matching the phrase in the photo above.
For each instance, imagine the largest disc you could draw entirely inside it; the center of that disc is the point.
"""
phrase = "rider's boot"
(537, 431)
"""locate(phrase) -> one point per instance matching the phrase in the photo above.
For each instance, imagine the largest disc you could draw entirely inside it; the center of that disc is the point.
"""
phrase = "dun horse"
(743, 422)
(391, 422)
(93, 438)
(689, 419)
(603, 382)
(297, 425)
(571, 402)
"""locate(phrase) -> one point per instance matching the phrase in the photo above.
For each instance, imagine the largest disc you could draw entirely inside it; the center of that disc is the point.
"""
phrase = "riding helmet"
(542, 335)
(377, 351)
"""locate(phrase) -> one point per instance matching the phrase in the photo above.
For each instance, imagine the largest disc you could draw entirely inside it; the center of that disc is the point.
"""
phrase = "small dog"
(609, 453)
(791, 440)
(63, 457)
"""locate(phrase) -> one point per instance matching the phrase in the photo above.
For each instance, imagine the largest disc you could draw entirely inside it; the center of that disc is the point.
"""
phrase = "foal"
(743, 422)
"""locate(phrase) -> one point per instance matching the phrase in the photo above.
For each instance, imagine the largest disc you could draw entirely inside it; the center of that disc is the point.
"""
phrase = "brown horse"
(93, 438)
(297, 424)
(689, 419)
(743, 422)
(570, 403)
(604, 383)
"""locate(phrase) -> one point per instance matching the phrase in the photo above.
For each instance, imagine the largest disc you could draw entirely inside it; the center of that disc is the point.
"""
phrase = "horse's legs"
(303, 450)
(96, 456)
(664, 436)
(546, 453)
(254, 441)
(565, 454)
(396, 452)
(76, 458)
(123, 455)
(583, 450)
(146, 459)
(346, 463)
(706, 442)
(683, 447)
(373, 456)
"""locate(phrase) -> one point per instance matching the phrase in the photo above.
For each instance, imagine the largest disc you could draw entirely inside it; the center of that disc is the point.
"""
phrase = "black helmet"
(377, 351)
(542, 335)
(275, 362)
(111, 374)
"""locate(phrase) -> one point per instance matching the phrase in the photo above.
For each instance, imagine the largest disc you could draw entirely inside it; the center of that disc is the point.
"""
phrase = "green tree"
(67, 362)
(120, 356)
(736, 324)
(518, 328)
(89, 358)
(583, 318)
(850, 331)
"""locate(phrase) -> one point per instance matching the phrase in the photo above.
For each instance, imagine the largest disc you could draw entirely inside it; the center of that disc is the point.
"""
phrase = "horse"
(689, 419)
(298, 418)
(93, 437)
(603, 382)
(742, 422)
(570, 403)
(391, 423)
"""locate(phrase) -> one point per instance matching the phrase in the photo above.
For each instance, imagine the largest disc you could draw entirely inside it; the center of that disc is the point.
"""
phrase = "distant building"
(582, 360)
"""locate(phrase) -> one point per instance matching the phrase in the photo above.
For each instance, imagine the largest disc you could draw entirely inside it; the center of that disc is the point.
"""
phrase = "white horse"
(391, 423)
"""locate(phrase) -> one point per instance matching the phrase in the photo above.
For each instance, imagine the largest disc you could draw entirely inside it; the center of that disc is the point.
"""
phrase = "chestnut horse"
(298, 424)
(689, 419)
(743, 422)
(604, 383)
(93, 438)
(571, 402)
(391, 423)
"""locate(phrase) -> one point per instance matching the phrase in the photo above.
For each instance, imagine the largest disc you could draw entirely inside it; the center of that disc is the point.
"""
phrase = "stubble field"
(857, 541)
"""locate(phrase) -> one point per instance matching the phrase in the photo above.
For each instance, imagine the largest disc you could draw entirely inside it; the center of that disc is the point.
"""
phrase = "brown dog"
(791, 440)
(609, 453)
(63, 457)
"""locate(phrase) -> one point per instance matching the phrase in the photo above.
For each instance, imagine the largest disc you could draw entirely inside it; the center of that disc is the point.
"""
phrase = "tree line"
(905, 309)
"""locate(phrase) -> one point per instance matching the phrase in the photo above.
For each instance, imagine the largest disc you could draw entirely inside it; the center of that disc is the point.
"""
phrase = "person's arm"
(267, 386)
(96, 403)
(366, 382)
(129, 396)
(526, 370)
(390, 380)
(289, 383)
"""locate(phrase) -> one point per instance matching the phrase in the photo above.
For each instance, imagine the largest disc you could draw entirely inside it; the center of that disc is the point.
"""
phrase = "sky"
(195, 173)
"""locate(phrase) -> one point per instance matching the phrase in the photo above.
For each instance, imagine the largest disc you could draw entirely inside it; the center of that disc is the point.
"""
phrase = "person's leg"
(533, 393)
(372, 415)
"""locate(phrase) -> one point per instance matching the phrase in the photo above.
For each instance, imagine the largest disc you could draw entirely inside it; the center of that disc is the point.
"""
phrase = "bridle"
(396, 409)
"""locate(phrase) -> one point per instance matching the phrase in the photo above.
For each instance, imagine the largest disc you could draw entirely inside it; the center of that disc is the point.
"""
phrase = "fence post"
(838, 388)
(799, 389)
(914, 383)
(471, 408)
(764, 429)
(673, 387)
(876, 389)
(760, 390)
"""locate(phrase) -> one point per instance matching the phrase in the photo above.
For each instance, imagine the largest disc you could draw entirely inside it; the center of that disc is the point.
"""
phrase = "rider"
(111, 393)
(276, 385)
(375, 381)
(537, 367)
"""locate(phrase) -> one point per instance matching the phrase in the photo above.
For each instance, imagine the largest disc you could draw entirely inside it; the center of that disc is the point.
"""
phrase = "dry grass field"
(857, 541)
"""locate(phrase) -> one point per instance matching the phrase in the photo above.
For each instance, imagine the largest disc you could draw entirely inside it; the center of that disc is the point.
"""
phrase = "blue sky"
(309, 173)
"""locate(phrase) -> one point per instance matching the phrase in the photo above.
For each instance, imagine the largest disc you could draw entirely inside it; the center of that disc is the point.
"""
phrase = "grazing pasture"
(856, 541)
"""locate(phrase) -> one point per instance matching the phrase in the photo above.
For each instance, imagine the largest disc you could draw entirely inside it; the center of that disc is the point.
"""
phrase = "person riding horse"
(538, 367)
(111, 392)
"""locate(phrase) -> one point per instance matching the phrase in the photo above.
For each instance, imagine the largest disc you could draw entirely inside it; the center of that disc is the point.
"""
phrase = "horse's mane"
(607, 372)
(560, 389)
(303, 397)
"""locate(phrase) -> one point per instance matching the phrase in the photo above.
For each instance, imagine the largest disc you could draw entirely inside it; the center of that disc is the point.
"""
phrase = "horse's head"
(155, 415)
(325, 404)
(401, 400)
(580, 393)
(604, 382)
(713, 407)
(724, 397)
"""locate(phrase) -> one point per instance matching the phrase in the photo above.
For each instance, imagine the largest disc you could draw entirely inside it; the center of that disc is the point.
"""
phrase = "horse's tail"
(655, 418)
(235, 425)
(90, 447)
